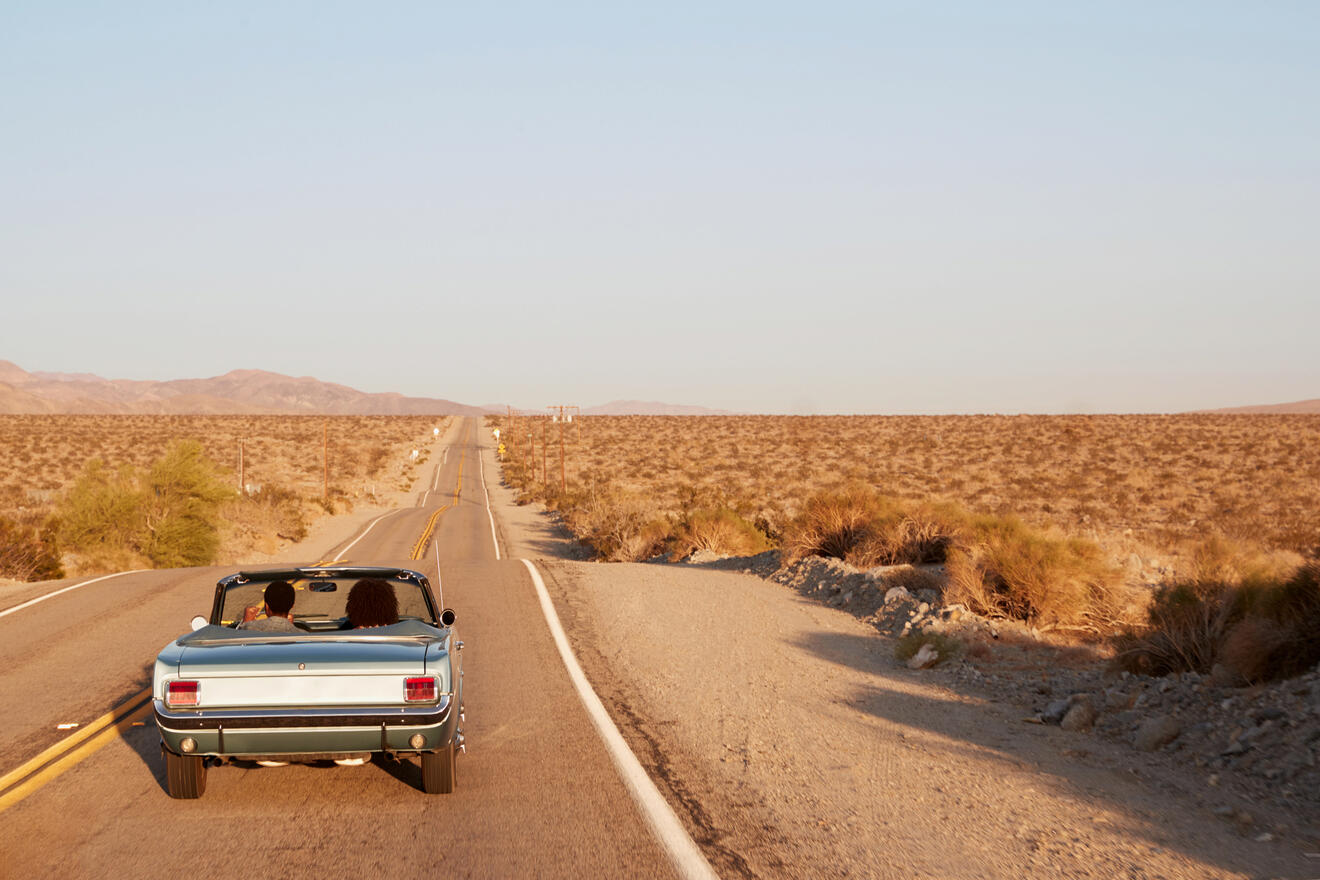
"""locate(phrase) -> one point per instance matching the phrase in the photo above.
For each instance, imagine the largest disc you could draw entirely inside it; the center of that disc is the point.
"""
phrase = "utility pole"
(242, 482)
(561, 418)
(544, 478)
(325, 459)
(531, 452)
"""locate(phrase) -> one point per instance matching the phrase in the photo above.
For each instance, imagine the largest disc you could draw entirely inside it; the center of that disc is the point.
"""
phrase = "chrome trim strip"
(431, 713)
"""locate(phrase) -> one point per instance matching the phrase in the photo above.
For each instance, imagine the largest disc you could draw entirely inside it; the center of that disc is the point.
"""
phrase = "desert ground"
(1148, 488)
(782, 731)
(295, 469)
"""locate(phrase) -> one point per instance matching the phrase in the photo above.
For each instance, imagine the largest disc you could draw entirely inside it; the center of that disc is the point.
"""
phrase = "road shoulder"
(793, 744)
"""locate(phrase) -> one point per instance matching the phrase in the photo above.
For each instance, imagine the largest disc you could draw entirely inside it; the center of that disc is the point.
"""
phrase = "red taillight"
(419, 690)
(181, 693)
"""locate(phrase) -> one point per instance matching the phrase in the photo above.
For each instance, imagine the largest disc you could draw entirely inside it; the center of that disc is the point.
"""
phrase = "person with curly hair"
(370, 603)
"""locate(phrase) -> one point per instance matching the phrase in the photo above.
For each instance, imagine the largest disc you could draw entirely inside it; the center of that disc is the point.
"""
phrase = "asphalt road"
(537, 795)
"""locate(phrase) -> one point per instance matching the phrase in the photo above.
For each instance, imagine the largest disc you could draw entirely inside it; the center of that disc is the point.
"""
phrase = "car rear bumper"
(305, 730)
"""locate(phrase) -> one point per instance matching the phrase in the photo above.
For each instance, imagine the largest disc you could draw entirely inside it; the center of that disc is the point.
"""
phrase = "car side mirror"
(447, 617)
(198, 622)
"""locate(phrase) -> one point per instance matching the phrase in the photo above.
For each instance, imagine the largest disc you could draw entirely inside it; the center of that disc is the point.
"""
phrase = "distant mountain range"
(1300, 407)
(238, 391)
(245, 391)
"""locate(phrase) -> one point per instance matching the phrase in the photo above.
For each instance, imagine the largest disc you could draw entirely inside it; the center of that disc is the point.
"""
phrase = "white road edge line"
(29, 603)
(673, 837)
(364, 533)
(494, 540)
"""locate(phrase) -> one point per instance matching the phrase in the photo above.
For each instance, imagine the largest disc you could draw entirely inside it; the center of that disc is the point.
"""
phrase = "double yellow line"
(68, 752)
(420, 547)
(72, 750)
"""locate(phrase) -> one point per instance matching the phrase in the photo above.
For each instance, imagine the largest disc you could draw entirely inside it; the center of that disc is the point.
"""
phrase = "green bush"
(102, 516)
(185, 491)
(169, 516)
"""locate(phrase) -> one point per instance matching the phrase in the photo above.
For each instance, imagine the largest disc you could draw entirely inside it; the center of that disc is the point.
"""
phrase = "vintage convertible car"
(321, 692)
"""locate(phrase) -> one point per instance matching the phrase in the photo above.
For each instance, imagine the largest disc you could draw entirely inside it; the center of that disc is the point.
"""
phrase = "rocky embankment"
(1241, 744)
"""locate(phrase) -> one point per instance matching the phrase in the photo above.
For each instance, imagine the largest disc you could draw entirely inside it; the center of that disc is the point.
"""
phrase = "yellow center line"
(69, 751)
(419, 549)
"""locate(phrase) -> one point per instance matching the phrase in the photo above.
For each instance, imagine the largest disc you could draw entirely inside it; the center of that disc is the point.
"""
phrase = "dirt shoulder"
(796, 745)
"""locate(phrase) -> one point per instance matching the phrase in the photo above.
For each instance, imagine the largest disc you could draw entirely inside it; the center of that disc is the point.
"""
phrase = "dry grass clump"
(1254, 629)
(1002, 567)
(620, 526)
(28, 550)
(866, 529)
(716, 530)
(996, 565)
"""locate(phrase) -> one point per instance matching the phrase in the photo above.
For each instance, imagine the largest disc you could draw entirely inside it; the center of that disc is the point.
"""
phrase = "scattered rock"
(1117, 700)
(1223, 676)
(1081, 715)
(926, 657)
(1055, 712)
(1260, 742)
(1156, 732)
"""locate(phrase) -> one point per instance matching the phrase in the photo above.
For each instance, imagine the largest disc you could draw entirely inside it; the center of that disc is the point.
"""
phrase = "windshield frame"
(344, 577)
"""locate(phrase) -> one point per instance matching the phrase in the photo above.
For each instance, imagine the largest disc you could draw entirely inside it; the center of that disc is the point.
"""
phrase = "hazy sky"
(812, 207)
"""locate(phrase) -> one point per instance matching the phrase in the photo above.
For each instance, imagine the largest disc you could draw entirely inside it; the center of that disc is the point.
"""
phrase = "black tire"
(439, 771)
(185, 775)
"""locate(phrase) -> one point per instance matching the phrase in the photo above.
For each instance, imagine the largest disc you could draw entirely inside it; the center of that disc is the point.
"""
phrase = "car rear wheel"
(185, 775)
(438, 771)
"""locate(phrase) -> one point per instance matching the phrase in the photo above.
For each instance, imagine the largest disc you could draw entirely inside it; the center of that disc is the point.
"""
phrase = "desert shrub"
(1259, 631)
(272, 510)
(28, 553)
(620, 526)
(101, 516)
(718, 530)
(839, 523)
(1007, 568)
(1186, 624)
(184, 493)
(168, 515)
(917, 535)
(866, 529)
(1279, 636)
